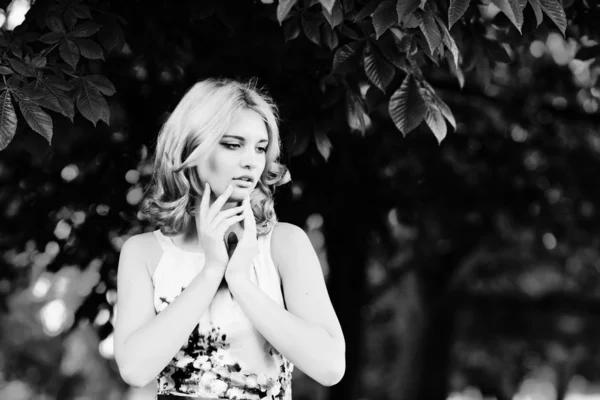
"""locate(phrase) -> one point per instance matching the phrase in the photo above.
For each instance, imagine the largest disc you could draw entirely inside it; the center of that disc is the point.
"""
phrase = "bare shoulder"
(140, 243)
(142, 247)
(288, 239)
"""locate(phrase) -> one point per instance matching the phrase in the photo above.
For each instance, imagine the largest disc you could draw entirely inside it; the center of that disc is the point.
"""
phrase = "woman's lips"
(243, 183)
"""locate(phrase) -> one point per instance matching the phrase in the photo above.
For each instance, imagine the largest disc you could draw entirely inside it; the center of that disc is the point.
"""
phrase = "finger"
(225, 214)
(226, 223)
(204, 202)
(249, 222)
(216, 206)
(249, 213)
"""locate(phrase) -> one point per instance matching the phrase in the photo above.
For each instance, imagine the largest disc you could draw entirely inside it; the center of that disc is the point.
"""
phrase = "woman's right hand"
(212, 223)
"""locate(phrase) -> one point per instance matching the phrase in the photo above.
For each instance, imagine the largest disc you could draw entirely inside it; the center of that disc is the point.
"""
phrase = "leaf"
(435, 122)
(537, 9)
(554, 10)
(422, 43)
(90, 49)
(336, 17)
(407, 107)
(70, 18)
(439, 103)
(384, 17)
(346, 53)
(57, 100)
(20, 67)
(311, 25)
(14, 82)
(16, 50)
(350, 33)
(69, 52)
(430, 30)
(57, 83)
(512, 10)
(55, 24)
(587, 53)
(38, 62)
(63, 105)
(32, 91)
(51, 37)
(367, 10)
(111, 35)
(456, 10)
(37, 119)
(82, 11)
(62, 68)
(8, 119)
(330, 37)
(91, 104)
(323, 143)
(291, 28)
(5, 70)
(283, 9)
(448, 41)
(86, 29)
(389, 49)
(328, 5)
(356, 116)
(348, 5)
(405, 8)
(378, 70)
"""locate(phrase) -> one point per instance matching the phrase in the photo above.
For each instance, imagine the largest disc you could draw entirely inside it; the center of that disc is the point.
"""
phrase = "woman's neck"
(189, 238)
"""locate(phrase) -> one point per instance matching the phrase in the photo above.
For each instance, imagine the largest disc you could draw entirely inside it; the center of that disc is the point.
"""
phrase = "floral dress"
(225, 357)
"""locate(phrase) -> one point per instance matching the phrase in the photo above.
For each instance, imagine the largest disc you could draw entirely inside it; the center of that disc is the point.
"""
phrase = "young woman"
(221, 301)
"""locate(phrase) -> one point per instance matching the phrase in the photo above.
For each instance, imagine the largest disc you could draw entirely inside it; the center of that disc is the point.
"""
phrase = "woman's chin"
(240, 193)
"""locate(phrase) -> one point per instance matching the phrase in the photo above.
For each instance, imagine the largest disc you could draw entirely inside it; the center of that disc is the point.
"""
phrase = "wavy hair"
(193, 130)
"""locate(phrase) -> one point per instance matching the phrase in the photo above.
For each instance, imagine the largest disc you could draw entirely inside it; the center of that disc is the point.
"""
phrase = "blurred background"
(463, 261)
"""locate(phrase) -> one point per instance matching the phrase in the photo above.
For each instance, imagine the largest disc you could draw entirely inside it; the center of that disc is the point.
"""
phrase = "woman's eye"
(231, 146)
(262, 149)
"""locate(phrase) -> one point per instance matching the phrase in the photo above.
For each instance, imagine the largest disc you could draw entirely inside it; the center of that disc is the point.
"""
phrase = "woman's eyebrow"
(243, 139)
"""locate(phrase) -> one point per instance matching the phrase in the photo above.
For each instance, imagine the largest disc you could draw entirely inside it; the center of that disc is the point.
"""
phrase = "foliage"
(389, 39)
(43, 66)
(397, 38)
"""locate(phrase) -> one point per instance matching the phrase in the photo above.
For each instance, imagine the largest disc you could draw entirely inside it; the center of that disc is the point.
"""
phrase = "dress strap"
(164, 241)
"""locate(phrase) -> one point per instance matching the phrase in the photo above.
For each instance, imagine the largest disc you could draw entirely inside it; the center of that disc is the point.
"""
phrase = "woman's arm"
(146, 342)
(309, 334)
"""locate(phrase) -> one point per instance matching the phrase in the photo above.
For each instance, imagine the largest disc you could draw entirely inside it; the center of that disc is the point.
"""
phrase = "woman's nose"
(251, 160)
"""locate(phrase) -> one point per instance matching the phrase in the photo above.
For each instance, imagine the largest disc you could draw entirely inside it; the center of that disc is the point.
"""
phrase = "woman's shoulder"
(287, 239)
(285, 230)
(140, 243)
(143, 247)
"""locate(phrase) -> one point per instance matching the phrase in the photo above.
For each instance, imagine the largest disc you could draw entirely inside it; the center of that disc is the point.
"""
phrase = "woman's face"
(239, 157)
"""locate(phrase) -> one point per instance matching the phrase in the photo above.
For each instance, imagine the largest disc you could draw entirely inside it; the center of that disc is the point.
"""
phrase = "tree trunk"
(347, 218)
(435, 350)
(346, 255)
(411, 318)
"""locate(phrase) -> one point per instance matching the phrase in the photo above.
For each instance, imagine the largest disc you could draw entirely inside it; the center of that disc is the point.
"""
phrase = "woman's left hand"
(240, 263)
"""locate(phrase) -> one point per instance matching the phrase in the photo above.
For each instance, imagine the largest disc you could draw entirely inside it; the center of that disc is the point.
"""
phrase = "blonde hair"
(193, 130)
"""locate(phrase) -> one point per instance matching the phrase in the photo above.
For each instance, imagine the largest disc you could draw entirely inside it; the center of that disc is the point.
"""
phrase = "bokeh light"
(55, 317)
(70, 172)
